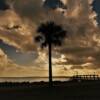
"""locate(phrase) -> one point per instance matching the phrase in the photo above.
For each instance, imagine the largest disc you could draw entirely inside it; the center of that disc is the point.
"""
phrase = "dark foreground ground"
(88, 90)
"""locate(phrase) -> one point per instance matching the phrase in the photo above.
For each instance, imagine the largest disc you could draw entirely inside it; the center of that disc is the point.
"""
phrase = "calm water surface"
(31, 79)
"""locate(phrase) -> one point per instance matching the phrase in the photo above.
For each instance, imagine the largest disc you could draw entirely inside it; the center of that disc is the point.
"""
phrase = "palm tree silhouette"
(50, 34)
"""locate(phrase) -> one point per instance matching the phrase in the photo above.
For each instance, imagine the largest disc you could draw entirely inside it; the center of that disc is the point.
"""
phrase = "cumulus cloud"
(10, 69)
(18, 25)
(31, 9)
(3, 58)
(83, 34)
(15, 32)
(81, 48)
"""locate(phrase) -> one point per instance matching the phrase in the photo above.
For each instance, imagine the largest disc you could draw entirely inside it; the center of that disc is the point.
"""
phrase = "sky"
(20, 56)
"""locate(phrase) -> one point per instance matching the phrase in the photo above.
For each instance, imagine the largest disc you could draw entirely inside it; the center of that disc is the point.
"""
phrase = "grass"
(86, 90)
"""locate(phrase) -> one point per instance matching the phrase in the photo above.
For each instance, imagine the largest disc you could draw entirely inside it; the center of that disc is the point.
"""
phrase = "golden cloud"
(18, 27)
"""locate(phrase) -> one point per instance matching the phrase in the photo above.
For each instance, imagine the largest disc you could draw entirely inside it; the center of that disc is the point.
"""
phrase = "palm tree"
(50, 34)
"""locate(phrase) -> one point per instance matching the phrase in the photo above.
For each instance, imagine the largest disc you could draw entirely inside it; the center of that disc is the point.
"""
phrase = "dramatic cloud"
(9, 69)
(82, 45)
(31, 9)
(3, 59)
(15, 32)
(80, 51)
(18, 24)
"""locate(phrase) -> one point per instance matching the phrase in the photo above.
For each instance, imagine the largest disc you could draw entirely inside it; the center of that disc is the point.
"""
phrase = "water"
(31, 79)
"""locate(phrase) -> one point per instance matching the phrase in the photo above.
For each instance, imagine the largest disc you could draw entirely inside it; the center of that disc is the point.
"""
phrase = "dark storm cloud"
(18, 34)
(83, 57)
(78, 48)
(81, 48)
(31, 9)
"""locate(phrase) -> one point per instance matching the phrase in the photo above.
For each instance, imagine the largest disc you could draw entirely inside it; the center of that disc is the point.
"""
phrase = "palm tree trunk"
(50, 64)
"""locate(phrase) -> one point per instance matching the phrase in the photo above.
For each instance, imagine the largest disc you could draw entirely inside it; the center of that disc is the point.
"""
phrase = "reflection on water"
(31, 79)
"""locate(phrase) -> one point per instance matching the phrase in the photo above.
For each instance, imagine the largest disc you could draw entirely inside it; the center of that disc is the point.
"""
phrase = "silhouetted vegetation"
(49, 35)
(68, 90)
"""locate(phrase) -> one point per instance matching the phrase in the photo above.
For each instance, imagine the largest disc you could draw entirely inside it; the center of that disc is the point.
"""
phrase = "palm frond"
(52, 33)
